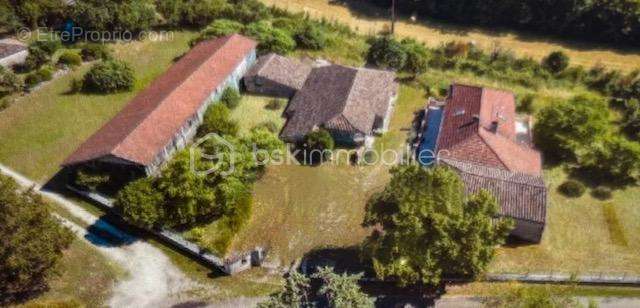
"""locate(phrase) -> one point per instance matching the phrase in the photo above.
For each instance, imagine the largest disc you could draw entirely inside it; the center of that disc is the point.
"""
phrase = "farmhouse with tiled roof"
(163, 117)
(476, 132)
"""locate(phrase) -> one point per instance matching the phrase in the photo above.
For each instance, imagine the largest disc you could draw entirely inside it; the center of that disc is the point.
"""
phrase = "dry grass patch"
(370, 19)
(252, 111)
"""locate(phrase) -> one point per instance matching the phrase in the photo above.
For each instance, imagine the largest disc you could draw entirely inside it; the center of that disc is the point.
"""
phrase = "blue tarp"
(426, 151)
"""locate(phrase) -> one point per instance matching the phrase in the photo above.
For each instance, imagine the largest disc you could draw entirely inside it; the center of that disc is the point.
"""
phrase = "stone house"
(278, 76)
(164, 117)
(476, 132)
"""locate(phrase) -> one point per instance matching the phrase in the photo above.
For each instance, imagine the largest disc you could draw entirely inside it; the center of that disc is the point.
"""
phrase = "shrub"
(109, 77)
(572, 188)
(4, 103)
(91, 52)
(9, 82)
(525, 104)
(279, 42)
(37, 57)
(140, 203)
(631, 121)
(218, 120)
(70, 59)
(556, 62)
(417, 56)
(49, 46)
(612, 158)
(76, 85)
(45, 73)
(385, 52)
(275, 104)
(218, 28)
(311, 36)
(602, 193)
(270, 39)
(34, 78)
(317, 146)
(230, 97)
(268, 125)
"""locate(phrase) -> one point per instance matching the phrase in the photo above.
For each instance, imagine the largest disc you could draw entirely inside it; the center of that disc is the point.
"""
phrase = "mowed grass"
(369, 19)
(41, 129)
(85, 278)
(300, 208)
(252, 111)
(583, 235)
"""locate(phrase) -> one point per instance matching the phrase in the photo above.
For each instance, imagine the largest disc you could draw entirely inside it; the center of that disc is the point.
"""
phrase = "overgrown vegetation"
(336, 290)
(32, 242)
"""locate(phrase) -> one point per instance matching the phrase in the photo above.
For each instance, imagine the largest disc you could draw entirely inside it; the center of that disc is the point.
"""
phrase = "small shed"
(275, 75)
(12, 52)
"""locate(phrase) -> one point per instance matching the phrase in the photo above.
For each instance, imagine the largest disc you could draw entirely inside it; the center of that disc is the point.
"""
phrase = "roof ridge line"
(500, 170)
(353, 81)
(155, 109)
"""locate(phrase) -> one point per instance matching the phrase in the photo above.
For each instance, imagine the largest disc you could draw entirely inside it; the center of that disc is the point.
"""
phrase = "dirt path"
(433, 33)
(152, 281)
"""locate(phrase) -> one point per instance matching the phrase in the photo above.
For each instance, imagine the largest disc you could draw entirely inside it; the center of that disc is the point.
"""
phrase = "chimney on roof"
(494, 127)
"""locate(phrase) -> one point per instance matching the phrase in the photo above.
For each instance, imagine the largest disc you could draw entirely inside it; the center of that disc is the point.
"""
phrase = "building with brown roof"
(12, 52)
(353, 104)
(163, 118)
(275, 75)
(477, 132)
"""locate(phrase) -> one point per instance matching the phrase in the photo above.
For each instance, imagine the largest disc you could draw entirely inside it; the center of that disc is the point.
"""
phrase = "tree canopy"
(430, 229)
(32, 242)
(336, 290)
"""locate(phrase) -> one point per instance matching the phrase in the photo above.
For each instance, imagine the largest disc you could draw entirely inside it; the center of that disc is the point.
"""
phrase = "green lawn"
(252, 111)
(583, 235)
(40, 129)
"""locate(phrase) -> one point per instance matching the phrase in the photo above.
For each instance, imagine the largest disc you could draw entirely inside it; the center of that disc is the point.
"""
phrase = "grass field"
(369, 19)
(40, 129)
(88, 285)
(252, 111)
(583, 235)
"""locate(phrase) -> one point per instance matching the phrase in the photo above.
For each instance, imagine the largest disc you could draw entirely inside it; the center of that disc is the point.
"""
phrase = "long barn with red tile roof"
(163, 118)
(476, 131)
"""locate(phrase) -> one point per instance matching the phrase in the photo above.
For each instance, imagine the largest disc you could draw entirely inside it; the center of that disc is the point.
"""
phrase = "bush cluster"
(109, 77)
(41, 75)
(572, 188)
(69, 58)
(230, 97)
(578, 131)
(217, 119)
(91, 52)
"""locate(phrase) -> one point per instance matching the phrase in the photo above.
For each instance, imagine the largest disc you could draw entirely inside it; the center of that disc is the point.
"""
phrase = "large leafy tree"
(564, 129)
(386, 52)
(430, 229)
(31, 242)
